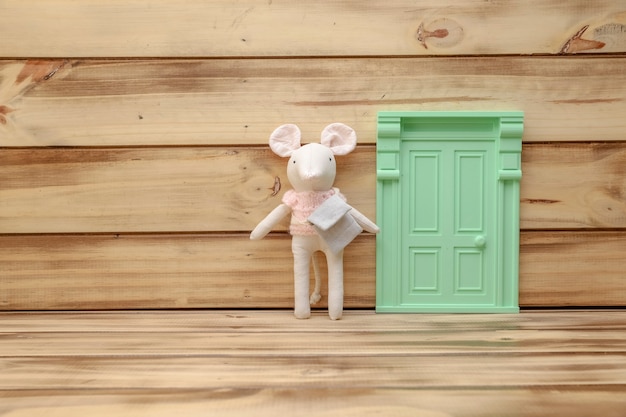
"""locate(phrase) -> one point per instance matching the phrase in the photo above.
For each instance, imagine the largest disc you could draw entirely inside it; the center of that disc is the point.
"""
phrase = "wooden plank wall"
(133, 138)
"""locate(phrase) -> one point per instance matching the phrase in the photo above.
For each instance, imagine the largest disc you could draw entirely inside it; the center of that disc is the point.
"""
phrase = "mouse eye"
(330, 158)
(294, 161)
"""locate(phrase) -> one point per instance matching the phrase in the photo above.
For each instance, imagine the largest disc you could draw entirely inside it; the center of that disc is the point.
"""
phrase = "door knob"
(479, 241)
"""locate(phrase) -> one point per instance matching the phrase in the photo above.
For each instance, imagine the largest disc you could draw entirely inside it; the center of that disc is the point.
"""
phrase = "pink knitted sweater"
(303, 205)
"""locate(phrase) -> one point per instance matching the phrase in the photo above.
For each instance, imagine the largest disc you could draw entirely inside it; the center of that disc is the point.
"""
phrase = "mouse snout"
(311, 174)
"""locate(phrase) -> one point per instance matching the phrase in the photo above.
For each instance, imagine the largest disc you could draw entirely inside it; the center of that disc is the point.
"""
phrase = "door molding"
(395, 128)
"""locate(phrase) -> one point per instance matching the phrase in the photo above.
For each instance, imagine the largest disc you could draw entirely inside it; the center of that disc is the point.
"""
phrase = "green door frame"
(395, 129)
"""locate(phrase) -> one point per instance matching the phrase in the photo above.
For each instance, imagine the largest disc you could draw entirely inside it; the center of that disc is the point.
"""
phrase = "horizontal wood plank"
(605, 400)
(72, 272)
(463, 368)
(154, 271)
(570, 269)
(573, 186)
(162, 189)
(271, 345)
(241, 101)
(564, 186)
(264, 321)
(60, 28)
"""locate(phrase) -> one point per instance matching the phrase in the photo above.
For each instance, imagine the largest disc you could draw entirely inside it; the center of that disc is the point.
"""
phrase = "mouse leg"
(335, 284)
(302, 249)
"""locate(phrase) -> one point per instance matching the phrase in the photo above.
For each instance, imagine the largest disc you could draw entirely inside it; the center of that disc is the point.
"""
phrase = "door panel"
(469, 191)
(469, 274)
(424, 204)
(427, 261)
(447, 195)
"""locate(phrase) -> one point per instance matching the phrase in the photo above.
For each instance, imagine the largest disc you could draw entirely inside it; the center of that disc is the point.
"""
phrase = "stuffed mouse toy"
(321, 220)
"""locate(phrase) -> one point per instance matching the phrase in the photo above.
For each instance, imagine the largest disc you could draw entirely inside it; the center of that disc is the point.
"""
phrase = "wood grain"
(263, 321)
(606, 400)
(70, 272)
(241, 101)
(291, 370)
(141, 28)
(153, 271)
(261, 347)
(134, 163)
(237, 362)
(192, 189)
(154, 189)
(568, 269)
(573, 186)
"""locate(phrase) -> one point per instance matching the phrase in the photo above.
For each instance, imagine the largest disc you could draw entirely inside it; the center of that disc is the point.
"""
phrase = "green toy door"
(448, 207)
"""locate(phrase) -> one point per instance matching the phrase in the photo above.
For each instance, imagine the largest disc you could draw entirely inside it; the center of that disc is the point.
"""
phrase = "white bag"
(334, 223)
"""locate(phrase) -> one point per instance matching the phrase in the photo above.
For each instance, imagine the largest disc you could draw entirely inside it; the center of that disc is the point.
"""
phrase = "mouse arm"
(363, 221)
(268, 223)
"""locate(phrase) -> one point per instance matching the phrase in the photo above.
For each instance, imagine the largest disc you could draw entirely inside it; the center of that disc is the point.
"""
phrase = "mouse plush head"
(312, 167)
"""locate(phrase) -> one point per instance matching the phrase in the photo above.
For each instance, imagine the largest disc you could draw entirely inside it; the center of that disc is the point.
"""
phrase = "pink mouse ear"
(340, 138)
(285, 139)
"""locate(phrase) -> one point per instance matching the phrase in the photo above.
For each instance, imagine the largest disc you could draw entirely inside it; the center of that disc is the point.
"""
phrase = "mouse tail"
(316, 296)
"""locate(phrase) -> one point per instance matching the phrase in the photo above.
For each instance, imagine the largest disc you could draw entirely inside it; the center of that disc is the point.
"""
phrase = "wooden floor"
(266, 363)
